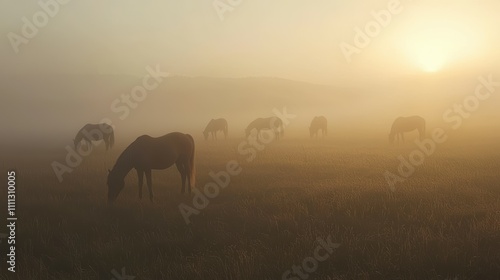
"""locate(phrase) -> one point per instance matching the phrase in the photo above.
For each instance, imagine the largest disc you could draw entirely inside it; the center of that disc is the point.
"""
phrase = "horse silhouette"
(213, 127)
(95, 132)
(272, 123)
(317, 124)
(147, 153)
(406, 124)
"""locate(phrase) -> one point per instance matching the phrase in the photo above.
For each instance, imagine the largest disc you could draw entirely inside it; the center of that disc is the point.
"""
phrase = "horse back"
(319, 122)
(161, 152)
(217, 124)
(176, 142)
(405, 124)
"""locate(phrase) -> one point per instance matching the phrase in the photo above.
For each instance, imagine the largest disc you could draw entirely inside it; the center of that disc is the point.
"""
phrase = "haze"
(90, 53)
(353, 201)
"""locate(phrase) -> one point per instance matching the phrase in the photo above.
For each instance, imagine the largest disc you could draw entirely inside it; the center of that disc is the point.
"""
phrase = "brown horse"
(147, 153)
(214, 126)
(95, 132)
(406, 124)
(317, 124)
(272, 123)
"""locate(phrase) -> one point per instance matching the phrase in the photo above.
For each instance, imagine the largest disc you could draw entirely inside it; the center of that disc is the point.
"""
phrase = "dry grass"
(442, 223)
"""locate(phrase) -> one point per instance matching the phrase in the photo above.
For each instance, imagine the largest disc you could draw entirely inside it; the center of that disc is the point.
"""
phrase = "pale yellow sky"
(292, 39)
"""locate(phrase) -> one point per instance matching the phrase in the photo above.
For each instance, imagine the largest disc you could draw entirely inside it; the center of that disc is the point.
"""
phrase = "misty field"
(441, 223)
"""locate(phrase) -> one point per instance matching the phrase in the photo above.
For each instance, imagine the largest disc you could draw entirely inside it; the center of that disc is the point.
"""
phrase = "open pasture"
(441, 223)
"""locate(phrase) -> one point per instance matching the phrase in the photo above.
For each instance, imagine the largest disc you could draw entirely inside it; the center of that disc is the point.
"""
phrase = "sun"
(433, 45)
(431, 60)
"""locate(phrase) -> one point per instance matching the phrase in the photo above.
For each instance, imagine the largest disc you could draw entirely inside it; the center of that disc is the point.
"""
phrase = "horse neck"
(121, 170)
(209, 127)
(394, 130)
(124, 164)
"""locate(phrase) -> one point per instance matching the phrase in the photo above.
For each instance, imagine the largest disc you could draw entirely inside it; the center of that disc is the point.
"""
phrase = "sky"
(290, 39)
(63, 66)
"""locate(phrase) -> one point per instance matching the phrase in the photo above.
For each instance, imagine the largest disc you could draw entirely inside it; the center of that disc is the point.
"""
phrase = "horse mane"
(127, 155)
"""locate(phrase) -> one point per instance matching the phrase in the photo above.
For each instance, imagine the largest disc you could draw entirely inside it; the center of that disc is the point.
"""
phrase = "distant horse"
(147, 153)
(317, 124)
(272, 123)
(95, 132)
(406, 124)
(214, 126)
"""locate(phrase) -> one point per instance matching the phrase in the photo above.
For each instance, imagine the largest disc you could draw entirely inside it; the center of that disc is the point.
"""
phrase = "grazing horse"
(147, 153)
(317, 124)
(95, 132)
(272, 123)
(406, 124)
(214, 126)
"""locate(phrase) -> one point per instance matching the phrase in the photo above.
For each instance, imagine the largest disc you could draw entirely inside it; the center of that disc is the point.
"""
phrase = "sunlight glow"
(431, 61)
(434, 45)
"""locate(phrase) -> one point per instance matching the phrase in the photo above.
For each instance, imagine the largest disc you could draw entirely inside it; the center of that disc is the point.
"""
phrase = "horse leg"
(140, 175)
(150, 184)
(182, 171)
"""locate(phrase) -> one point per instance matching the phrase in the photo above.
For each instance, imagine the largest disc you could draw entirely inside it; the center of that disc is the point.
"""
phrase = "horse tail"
(192, 167)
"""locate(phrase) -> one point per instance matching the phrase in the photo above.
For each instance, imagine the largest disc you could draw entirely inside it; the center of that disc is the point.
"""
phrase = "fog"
(261, 56)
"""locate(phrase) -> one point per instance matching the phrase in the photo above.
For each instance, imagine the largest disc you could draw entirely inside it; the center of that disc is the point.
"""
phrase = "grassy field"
(442, 223)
